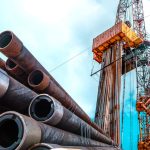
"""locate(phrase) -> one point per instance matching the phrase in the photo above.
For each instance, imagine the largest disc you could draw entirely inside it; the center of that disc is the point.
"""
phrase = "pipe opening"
(8, 133)
(11, 132)
(10, 64)
(5, 39)
(36, 77)
(42, 108)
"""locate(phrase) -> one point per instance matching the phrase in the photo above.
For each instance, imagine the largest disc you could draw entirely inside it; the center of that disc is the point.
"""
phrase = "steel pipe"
(12, 47)
(39, 81)
(3, 109)
(16, 71)
(46, 146)
(13, 94)
(18, 133)
(2, 64)
(48, 110)
(21, 132)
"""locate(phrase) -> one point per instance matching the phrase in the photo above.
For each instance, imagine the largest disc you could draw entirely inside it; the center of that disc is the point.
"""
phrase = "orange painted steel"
(14, 70)
(119, 32)
(144, 145)
(12, 47)
(142, 104)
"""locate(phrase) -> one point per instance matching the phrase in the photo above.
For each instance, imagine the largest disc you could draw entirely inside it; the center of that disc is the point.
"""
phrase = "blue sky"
(56, 30)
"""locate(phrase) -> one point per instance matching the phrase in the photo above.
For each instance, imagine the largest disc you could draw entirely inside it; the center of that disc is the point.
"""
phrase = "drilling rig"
(119, 50)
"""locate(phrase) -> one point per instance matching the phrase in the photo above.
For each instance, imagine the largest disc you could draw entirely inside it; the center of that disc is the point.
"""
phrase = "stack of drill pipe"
(14, 70)
(14, 49)
(67, 123)
(48, 110)
(19, 132)
(45, 84)
(16, 96)
(45, 146)
(14, 104)
(13, 94)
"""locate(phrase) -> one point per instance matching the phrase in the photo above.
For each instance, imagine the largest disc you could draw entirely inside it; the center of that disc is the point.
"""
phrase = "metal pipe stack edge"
(36, 113)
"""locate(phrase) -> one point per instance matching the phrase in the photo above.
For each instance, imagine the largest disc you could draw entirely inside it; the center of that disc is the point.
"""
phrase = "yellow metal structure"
(119, 32)
(143, 104)
(144, 145)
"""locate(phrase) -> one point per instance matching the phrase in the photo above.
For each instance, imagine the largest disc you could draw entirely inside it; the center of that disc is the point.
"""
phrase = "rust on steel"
(16, 71)
(108, 111)
(41, 82)
(2, 64)
(48, 110)
(13, 94)
(12, 47)
(27, 132)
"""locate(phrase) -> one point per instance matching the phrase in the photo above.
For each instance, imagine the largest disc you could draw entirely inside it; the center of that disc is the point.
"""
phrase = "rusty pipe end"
(16, 133)
(38, 80)
(10, 45)
(11, 65)
(43, 146)
(13, 68)
(4, 82)
(11, 131)
(46, 109)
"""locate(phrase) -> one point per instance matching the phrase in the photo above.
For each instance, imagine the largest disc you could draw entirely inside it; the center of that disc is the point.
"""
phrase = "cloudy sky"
(57, 30)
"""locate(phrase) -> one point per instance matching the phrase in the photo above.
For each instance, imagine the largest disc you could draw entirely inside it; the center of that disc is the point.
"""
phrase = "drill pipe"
(39, 81)
(3, 109)
(47, 146)
(16, 72)
(13, 94)
(21, 132)
(48, 110)
(2, 64)
(12, 47)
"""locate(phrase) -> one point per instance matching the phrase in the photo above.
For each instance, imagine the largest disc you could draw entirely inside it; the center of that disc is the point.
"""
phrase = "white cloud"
(64, 26)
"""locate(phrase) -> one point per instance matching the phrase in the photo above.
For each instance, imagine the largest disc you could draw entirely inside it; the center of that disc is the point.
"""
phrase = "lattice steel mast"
(143, 76)
(122, 10)
(136, 58)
